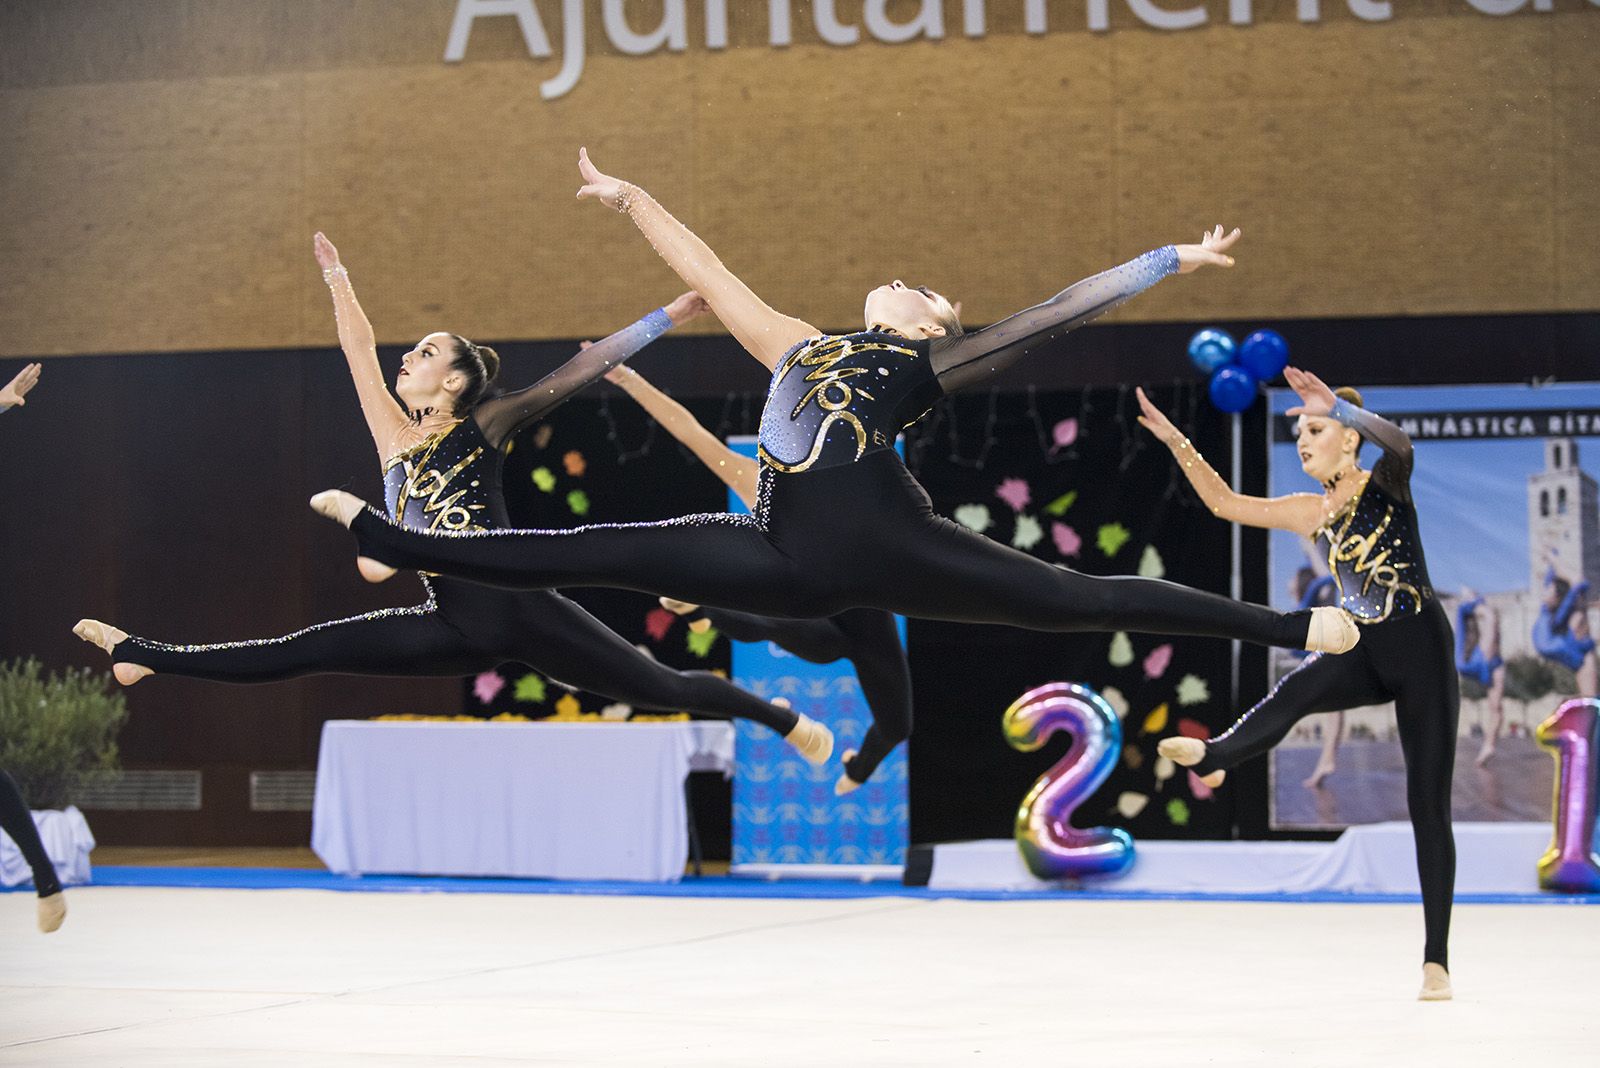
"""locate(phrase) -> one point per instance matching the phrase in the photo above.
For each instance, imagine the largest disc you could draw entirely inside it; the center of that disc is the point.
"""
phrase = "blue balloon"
(1264, 354)
(1233, 389)
(1210, 349)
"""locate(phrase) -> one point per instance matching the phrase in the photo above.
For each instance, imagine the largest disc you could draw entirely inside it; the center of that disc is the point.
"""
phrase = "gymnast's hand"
(1315, 396)
(327, 255)
(687, 307)
(602, 187)
(14, 392)
(1211, 250)
(1155, 420)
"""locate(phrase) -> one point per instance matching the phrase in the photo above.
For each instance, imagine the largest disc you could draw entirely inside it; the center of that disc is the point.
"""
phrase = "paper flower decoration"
(1121, 652)
(1150, 564)
(1028, 533)
(974, 517)
(1155, 665)
(1015, 492)
(1112, 537)
(1068, 543)
(1059, 506)
(544, 478)
(1156, 721)
(530, 690)
(578, 501)
(657, 622)
(700, 643)
(575, 464)
(487, 685)
(1192, 690)
(1178, 812)
(1130, 804)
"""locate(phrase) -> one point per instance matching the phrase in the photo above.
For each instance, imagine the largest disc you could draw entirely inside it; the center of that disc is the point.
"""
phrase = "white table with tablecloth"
(586, 801)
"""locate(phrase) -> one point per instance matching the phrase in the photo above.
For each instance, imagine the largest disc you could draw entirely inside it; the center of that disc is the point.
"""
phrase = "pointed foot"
(811, 739)
(845, 784)
(337, 505)
(102, 634)
(1333, 630)
(1435, 984)
(52, 910)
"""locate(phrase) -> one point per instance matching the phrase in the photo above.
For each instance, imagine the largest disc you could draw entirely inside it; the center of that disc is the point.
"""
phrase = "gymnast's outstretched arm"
(766, 334)
(967, 359)
(1393, 469)
(739, 473)
(16, 391)
(501, 417)
(386, 420)
(1297, 512)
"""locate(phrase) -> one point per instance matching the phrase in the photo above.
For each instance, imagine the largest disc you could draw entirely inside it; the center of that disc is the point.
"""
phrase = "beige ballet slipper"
(813, 740)
(1187, 752)
(845, 783)
(106, 637)
(52, 910)
(683, 608)
(1333, 630)
(1435, 984)
(342, 508)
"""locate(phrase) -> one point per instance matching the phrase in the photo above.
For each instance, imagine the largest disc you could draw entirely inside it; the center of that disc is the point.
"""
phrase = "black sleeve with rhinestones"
(1393, 469)
(969, 359)
(502, 417)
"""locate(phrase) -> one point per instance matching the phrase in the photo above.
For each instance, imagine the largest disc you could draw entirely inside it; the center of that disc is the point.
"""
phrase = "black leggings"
(860, 535)
(1411, 662)
(869, 639)
(17, 821)
(461, 630)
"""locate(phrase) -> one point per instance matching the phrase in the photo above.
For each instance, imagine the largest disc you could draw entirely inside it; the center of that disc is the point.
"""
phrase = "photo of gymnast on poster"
(1519, 595)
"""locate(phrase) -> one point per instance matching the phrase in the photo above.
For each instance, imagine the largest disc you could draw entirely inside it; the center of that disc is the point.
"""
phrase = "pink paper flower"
(1155, 665)
(657, 623)
(1068, 543)
(1015, 492)
(1065, 433)
(487, 685)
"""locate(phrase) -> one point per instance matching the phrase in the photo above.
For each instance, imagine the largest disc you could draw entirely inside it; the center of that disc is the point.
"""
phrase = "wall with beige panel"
(163, 164)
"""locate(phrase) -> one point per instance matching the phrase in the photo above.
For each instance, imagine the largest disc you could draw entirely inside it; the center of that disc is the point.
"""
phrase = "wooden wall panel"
(165, 163)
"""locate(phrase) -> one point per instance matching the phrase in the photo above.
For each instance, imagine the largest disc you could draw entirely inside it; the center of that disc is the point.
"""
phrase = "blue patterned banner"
(784, 810)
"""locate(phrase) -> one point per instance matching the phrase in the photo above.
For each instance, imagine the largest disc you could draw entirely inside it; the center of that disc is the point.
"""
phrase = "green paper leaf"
(530, 689)
(1112, 537)
(1059, 506)
(700, 643)
(578, 501)
(544, 478)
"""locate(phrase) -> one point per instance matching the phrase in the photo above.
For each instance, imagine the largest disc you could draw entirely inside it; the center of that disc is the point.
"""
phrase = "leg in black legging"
(870, 640)
(1319, 684)
(1427, 708)
(402, 641)
(566, 643)
(916, 565)
(17, 821)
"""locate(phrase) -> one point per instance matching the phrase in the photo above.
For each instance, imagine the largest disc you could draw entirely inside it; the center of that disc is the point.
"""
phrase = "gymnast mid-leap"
(867, 637)
(840, 523)
(443, 454)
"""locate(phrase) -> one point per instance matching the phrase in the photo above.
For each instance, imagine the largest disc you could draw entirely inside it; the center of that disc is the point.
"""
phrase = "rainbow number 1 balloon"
(1051, 846)
(1572, 735)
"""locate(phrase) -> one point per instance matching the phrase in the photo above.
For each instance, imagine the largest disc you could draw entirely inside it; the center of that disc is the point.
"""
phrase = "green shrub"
(1529, 678)
(57, 732)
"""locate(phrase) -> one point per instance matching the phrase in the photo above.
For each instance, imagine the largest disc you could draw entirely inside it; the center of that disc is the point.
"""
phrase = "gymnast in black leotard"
(15, 819)
(442, 472)
(867, 637)
(1366, 522)
(840, 523)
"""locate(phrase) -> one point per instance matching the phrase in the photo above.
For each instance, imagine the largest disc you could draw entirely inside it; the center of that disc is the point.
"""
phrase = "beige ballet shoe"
(678, 608)
(811, 739)
(128, 674)
(1333, 630)
(339, 506)
(683, 608)
(845, 783)
(1435, 984)
(102, 634)
(342, 508)
(1187, 752)
(52, 910)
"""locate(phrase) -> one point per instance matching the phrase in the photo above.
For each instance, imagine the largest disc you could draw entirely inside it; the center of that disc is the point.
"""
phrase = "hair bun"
(491, 360)
(1346, 394)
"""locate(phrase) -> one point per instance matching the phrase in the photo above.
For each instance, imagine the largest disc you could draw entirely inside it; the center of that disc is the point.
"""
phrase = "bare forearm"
(383, 413)
(737, 472)
(764, 333)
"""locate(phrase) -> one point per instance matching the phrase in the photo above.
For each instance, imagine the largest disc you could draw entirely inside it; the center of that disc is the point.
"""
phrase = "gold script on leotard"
(831, 390)
(1357, 549)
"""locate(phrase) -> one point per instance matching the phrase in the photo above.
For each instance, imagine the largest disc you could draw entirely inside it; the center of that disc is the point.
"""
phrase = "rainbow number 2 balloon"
(1572, 734)
(1051, 846)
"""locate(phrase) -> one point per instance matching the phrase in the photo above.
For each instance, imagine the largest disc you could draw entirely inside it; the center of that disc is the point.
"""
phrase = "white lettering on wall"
(930, 23)
(469, 11)
(673, 31)
(829, 28)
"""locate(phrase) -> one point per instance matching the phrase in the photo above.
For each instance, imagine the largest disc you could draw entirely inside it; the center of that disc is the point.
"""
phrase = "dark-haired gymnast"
(1366, 522)
(840, 523)
(443, 454)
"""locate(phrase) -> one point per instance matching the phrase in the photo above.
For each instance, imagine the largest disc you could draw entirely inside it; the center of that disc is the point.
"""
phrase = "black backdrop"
(167, 494)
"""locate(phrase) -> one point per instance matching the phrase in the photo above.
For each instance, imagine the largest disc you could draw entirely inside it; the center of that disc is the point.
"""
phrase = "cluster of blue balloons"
(1237, 371)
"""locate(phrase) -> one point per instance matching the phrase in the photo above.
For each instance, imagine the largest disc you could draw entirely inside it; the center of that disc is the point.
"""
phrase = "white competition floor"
(166, 976)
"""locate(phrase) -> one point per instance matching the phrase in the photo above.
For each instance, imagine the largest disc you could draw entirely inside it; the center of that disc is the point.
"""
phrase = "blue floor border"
(717, 886)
